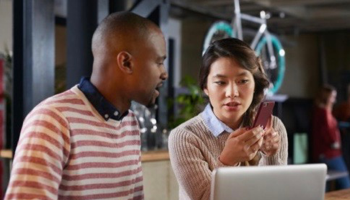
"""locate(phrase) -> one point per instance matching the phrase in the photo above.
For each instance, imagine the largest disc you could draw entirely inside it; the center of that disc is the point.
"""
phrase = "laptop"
(288, 182)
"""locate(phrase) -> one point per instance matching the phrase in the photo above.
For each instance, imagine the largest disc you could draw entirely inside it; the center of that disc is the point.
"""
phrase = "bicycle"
(265, 44)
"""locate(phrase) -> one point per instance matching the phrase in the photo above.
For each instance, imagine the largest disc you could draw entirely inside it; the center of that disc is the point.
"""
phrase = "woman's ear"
(125, 62)
(206, 91)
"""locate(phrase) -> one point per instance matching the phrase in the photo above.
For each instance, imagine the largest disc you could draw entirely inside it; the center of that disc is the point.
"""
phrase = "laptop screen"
(289, 182)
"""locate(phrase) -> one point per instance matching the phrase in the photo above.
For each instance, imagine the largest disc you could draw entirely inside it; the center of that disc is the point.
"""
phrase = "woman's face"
(332, 98)
(230, 89)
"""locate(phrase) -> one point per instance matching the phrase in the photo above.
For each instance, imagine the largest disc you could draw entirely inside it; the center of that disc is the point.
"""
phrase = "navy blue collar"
(105, 108)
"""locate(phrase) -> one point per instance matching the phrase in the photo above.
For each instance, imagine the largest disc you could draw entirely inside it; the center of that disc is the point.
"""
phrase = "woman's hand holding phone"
(271, 142)
(242, 145)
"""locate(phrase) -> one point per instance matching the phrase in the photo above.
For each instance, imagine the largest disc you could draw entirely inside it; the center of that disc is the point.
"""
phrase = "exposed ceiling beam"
(300, 15)
(315, 13)
(200, 9)
(217, 3)
(295, 11)
(331, 13)
(276, 3)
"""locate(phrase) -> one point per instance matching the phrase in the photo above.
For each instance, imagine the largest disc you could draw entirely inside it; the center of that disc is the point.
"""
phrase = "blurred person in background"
(326, 139)
(342, 113)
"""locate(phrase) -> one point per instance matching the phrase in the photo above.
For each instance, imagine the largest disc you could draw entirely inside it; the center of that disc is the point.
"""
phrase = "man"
(84, 143)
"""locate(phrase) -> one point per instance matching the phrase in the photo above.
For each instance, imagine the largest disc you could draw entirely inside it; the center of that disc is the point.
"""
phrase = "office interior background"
(45, 49)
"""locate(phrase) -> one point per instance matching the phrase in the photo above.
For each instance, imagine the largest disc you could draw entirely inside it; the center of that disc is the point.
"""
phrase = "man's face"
(149, 68)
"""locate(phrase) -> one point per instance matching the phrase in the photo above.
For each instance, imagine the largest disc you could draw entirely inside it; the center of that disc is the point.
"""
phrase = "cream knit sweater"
(194, 153)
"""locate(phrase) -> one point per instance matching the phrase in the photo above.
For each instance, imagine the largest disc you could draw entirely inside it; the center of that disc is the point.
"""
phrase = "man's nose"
(164, 74)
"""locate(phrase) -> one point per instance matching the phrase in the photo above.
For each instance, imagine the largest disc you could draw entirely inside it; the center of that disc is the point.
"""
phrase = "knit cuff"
(272, 160)
(220, 164)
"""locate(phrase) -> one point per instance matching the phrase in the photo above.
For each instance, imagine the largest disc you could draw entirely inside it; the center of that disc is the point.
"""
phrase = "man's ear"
(125, 62)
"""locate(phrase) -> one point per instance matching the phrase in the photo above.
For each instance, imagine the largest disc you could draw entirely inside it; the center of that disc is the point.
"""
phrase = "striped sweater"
(194, 154)
(67, 150)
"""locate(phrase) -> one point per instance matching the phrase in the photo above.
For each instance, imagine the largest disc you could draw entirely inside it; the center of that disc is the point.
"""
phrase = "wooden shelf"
(6, 153)
(338, 195)
(150, 156)
(146, 156)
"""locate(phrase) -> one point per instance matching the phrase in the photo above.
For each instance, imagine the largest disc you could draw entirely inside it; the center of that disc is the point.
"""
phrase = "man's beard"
(151, 104)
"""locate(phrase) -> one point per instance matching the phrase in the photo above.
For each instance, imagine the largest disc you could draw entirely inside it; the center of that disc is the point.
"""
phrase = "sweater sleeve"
(322, 127)
(190, 167)
(41, 154)
(281, 157)
(331, 127)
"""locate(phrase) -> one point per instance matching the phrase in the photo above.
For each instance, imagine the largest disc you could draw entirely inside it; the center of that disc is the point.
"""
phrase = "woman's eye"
(219, 82)
(244, 81)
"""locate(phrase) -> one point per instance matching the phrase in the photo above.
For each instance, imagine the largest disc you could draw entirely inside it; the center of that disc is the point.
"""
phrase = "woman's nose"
(232, 91)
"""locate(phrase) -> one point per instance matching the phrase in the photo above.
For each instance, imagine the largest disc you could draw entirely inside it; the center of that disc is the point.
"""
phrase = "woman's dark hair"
(245, 56)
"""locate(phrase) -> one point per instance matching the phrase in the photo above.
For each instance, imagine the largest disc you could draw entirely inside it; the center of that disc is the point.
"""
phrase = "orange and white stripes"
(68, 151)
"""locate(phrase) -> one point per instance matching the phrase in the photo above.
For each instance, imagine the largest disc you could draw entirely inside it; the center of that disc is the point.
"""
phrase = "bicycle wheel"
(218, 30)
(274, 69)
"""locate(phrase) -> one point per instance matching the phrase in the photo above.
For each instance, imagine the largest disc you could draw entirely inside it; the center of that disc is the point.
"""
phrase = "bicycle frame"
(262, 30)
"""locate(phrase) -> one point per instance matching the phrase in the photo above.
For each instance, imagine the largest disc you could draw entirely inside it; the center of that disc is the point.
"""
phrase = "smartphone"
(264, 113)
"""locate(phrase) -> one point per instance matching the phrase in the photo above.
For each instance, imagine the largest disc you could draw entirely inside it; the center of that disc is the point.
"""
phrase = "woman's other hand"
(271, 142)
(242, 145)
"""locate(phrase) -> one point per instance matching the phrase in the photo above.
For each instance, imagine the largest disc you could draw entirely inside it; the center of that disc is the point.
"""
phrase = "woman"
(326, 139)
(233, 79)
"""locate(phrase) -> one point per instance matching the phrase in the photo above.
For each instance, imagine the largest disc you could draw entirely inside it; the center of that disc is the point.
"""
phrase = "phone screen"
(264, 112)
